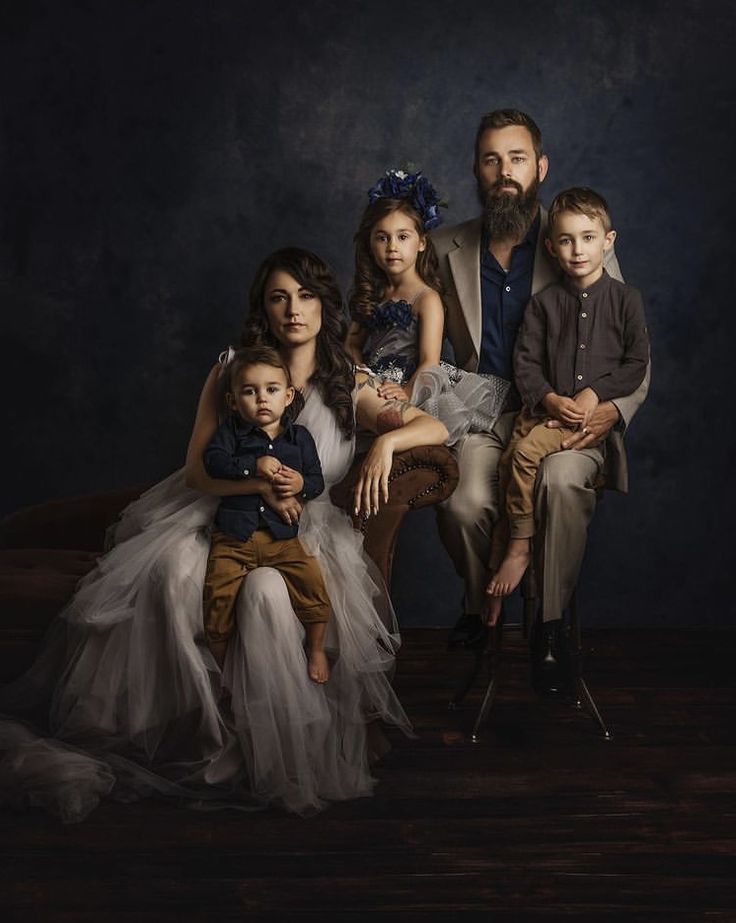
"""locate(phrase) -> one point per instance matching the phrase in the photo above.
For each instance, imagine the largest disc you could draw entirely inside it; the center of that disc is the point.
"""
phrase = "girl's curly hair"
(369, 281)
(334, 375)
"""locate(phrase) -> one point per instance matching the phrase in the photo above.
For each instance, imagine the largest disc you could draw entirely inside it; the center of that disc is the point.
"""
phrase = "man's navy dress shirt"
(504, 297)
(233, 453)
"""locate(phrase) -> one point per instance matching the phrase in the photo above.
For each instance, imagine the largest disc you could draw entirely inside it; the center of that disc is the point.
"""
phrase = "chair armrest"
(419, 477)
(75, 523)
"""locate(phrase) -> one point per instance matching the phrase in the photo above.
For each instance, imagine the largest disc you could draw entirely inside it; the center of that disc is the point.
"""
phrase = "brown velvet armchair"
(46, 549)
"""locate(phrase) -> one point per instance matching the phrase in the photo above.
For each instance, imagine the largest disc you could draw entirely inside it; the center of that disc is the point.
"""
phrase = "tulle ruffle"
(463, 401)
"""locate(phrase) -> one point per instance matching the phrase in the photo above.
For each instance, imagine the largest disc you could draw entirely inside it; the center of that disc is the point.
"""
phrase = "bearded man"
(489, 267)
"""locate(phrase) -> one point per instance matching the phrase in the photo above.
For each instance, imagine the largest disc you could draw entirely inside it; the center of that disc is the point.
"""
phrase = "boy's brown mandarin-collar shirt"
(572, 339)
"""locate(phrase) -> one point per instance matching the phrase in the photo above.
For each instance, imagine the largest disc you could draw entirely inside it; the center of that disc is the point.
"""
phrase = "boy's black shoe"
(467, 633)
(551, 667)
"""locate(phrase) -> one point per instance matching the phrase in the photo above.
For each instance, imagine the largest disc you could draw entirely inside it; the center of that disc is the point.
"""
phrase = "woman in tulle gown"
(129, 698)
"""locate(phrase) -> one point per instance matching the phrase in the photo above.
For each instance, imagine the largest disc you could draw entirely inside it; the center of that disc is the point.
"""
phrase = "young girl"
(397, 311)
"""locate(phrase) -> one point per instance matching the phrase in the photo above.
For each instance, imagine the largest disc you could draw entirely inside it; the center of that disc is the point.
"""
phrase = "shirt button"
(270, 446)
(582, 345)
(246, 472)
(585, 294)
(262, 509)
(580, 377)
(583, 314)
(508, 288)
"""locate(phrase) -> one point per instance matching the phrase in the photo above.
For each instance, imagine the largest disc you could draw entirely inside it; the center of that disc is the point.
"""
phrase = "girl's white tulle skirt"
(463, 401)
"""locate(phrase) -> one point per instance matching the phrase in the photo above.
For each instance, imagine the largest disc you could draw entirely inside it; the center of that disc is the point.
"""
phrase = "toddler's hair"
(369, 281)
(583, 201)
(260, 355)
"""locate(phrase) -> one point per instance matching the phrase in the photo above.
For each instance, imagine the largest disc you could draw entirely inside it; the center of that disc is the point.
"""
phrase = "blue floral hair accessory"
(421, 194)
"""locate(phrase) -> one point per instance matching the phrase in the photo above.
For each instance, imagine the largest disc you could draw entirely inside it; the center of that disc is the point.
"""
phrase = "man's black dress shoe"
(551, 668)
(468, 633)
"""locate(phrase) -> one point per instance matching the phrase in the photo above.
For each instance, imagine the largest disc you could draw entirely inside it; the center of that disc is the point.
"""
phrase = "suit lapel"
(465, 268)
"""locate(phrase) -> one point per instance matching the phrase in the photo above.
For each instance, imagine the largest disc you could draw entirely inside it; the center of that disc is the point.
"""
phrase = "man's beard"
(507, 216)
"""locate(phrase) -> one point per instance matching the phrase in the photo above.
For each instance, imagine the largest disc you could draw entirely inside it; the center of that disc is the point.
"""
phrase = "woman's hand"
(391, 390)
(372, 486)
(287, 482)
(288, 508)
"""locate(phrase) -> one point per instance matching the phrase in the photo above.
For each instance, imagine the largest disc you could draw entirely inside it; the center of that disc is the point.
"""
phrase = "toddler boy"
(259, 441)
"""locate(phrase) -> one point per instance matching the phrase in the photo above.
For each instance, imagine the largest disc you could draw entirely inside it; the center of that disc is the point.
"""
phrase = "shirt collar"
(246, 429)
(598, 286)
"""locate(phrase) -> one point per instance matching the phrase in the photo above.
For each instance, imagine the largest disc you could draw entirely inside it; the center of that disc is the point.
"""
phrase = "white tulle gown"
(127, 692)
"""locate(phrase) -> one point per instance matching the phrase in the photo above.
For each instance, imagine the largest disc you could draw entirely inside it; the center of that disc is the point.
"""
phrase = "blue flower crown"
(422, 196)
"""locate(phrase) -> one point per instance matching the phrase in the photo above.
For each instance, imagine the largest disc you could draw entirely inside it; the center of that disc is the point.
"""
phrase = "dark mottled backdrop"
(154, 152)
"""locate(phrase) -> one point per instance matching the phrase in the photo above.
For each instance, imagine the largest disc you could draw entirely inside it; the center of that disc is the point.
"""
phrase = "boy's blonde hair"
(583, 201)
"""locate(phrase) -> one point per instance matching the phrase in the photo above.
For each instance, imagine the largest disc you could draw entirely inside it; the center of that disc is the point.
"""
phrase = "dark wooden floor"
(542, 819)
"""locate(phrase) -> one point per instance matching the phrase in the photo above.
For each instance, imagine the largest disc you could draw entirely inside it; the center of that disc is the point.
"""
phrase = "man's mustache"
(500, 183)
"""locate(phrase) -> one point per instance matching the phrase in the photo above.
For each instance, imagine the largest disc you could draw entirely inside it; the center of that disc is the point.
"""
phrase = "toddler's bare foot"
(509, 574)
(318, 666)
(493, 609)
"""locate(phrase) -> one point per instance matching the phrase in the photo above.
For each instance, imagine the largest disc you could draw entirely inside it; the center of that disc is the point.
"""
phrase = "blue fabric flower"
(398, 184)
(391, 314)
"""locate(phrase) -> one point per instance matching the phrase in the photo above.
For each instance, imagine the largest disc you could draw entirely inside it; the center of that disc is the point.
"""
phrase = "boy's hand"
(563, 409)
(267, 466)
(288, 508)
(602, 421)
(587, 401)
(287, 482)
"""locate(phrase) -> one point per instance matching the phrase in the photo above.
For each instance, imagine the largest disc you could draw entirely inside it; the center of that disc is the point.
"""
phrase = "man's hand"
(601, 422)
(563, 410)
(287, 482)
(267, 466)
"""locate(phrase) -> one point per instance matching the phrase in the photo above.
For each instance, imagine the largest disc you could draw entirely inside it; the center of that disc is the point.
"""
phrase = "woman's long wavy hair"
(334, 374)
(369, 282)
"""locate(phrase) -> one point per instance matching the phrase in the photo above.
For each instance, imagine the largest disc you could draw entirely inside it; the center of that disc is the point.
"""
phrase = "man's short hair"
(503, 118)
(583, 201)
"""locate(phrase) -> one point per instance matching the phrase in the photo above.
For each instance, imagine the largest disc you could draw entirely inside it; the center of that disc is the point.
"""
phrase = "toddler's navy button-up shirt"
(233, 453)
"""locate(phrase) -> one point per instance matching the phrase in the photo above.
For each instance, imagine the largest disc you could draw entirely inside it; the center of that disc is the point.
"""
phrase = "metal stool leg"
(528, 588)
(469, 679)
(582, 693)
(494, 661)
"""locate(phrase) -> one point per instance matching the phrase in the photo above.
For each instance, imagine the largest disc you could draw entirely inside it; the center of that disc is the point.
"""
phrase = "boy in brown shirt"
(583, 340)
